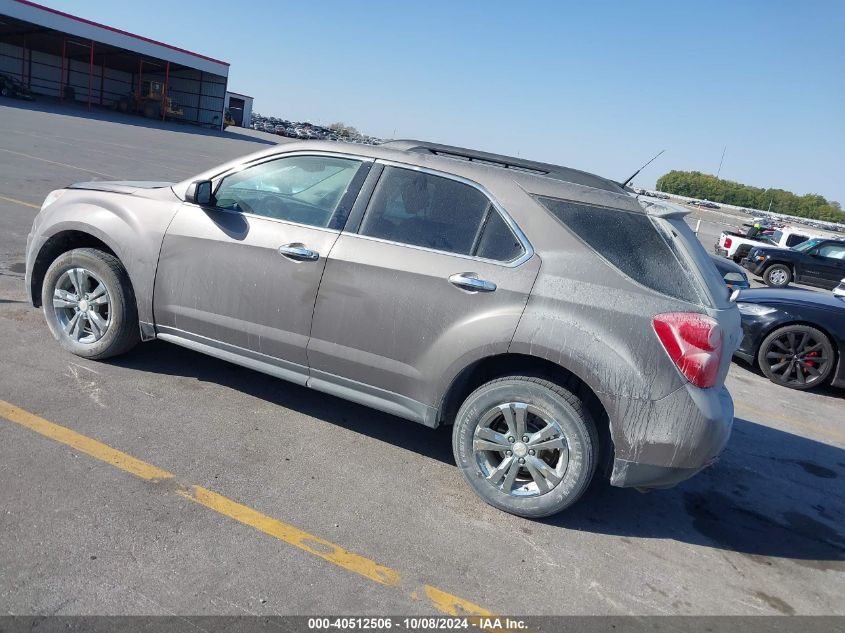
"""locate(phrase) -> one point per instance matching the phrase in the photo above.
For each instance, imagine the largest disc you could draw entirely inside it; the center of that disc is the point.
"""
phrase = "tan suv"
(560, 323)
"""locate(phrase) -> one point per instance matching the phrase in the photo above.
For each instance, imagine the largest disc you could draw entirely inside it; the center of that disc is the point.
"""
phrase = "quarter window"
(304, 189)
(421, 209)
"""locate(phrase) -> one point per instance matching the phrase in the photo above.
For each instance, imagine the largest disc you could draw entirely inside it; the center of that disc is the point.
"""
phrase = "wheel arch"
(821, 328)
(779, 262)
(58, 243)
(489, 368)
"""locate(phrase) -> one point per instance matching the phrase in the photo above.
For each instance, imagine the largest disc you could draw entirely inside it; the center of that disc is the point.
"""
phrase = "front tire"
(526, 445)
(89, 304)
(797, 356)
(777, 276)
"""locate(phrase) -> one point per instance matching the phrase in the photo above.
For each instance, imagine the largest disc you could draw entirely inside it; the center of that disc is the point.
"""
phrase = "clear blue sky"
(600, 86)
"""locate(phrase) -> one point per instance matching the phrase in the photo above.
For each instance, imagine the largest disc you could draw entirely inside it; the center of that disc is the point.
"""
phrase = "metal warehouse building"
(77, 60)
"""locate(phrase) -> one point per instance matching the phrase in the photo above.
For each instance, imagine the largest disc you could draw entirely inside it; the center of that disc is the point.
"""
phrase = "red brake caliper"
(809, 362)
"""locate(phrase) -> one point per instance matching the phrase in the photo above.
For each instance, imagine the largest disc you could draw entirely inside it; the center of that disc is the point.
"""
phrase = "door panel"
(831, 264)
(221, 276)
(388, 316)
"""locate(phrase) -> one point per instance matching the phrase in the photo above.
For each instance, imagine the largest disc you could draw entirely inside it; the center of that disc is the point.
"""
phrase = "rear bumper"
(633, 475)
(671, 439)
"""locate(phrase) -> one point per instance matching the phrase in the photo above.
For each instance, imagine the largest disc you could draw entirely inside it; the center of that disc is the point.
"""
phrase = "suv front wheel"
(777, 276)
(526, 445)
(89, 304)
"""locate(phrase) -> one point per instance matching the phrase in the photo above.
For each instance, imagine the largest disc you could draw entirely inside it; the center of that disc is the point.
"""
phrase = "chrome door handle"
(298, 252)
(471, 282)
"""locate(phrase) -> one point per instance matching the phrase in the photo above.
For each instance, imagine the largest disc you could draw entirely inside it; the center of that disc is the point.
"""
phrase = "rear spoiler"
(663, 209)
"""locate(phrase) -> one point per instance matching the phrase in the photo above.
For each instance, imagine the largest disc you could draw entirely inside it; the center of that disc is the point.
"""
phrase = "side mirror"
(199, 192)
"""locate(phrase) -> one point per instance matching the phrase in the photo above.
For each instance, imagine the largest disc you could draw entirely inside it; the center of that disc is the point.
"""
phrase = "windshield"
(805, 246)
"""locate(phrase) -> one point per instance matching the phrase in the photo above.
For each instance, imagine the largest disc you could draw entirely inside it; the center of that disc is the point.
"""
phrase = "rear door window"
(421, 209)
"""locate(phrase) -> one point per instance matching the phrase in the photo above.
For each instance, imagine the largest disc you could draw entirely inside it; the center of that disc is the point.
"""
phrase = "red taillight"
(728, 242)
(693, 342)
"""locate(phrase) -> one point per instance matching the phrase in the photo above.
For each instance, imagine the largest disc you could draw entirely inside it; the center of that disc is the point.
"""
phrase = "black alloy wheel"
(797, 356)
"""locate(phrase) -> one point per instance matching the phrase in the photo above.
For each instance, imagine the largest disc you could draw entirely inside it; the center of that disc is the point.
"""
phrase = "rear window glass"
(631, 243)
(794, 239)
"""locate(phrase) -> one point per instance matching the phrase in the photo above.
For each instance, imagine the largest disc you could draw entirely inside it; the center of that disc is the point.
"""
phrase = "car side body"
(765, 310)
(409, 329)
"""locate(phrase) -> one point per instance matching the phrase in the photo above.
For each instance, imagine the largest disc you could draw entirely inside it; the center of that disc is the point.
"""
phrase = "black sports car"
(797, 337)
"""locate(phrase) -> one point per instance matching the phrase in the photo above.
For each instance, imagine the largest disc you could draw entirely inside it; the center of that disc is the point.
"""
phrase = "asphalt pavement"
(166, 482)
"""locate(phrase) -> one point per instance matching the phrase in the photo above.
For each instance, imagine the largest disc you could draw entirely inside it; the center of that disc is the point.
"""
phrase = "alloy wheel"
(82, 305)
(797, 358)
(520, 449)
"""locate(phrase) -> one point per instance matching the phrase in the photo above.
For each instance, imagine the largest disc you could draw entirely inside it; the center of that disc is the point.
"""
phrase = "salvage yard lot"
(761, 532)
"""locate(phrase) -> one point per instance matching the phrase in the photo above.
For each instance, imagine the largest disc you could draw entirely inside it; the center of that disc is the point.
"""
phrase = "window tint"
(420, 209)
(834, 251)
(304, 189)
(632, 243)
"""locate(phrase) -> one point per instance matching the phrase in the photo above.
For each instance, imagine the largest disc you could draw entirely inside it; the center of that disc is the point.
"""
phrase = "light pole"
(719, 171)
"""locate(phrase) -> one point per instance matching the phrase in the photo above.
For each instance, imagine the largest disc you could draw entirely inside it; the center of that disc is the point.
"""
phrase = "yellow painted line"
(26, 204)
(761, 416)
(53, 162)
(83, 443)
(441, 600)
(452, 605)
(293, 535)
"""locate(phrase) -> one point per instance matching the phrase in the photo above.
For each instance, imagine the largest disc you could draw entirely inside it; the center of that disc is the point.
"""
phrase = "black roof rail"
(548, 170)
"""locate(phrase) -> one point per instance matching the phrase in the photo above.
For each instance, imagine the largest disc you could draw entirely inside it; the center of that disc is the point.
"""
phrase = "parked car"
(816, 262)
(796, 337)
(733, 275)
(839, 291)
(12, 87)
(736, 245)
(419, 291)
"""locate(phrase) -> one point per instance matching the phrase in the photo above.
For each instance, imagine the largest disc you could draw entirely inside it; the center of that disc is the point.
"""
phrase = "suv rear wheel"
(526, 445)
(89, 304)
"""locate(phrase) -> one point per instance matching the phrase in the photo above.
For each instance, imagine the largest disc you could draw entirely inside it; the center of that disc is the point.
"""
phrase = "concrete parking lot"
(166, 482)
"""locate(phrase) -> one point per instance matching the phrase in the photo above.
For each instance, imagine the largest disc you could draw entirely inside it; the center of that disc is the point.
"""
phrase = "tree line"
(695, 184)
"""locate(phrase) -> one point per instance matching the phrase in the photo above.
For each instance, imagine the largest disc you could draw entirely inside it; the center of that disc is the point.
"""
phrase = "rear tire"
(89, 304)
(533, 420)
(777, 276)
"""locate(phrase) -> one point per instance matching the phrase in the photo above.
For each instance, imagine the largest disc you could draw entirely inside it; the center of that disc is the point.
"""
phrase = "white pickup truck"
(735, 245)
